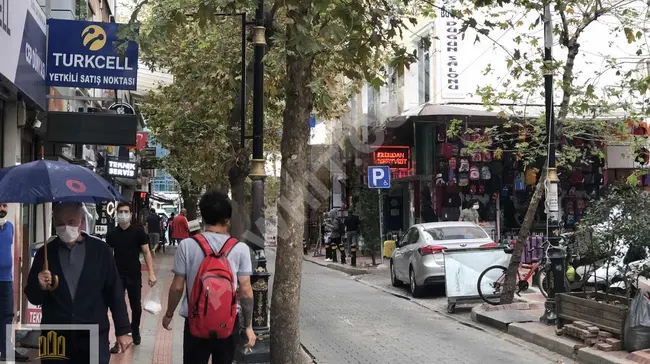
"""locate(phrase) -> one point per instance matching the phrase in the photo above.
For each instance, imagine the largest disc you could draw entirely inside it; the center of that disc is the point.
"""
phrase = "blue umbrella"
(51, 181)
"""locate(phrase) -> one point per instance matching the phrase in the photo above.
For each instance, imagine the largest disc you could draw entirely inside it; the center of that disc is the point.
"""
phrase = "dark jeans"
(198, 351)
(77, 348)
(6, 311)
(133, 286)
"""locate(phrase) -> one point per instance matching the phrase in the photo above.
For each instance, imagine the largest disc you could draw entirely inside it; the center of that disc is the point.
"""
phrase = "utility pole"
(556, 254)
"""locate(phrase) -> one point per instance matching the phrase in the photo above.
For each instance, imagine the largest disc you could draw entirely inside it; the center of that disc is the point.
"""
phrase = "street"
(345, 321)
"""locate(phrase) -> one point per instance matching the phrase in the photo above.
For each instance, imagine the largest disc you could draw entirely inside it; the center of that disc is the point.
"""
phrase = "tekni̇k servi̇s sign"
(90, 55)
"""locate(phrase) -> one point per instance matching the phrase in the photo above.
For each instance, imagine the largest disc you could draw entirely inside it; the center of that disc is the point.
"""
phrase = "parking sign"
(379, 177)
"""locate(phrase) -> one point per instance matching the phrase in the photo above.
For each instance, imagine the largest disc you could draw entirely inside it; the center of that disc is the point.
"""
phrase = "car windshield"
(457, 233)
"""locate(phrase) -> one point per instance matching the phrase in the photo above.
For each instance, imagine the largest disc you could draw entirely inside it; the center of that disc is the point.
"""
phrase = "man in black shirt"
(154, 229)
(352, 227)
(128, 241)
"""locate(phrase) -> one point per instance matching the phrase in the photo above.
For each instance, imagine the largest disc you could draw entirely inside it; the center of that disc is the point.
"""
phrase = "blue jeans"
(6, 311)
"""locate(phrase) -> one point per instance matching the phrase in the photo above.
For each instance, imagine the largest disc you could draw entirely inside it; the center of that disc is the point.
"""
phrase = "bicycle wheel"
(490, 284)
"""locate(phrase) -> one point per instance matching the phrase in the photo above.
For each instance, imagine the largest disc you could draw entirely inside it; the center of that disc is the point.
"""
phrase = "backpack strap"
(203, 243)
(227, 246)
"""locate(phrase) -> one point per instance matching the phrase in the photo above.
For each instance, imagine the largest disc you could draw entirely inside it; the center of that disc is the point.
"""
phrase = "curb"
(335, 266)
(550, 341)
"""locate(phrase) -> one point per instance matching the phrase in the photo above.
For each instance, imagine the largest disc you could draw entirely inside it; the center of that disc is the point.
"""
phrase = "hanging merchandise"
(446, 150)
(453, 163)
(519, 183)
(463, 179)
(451, 180)
(505, 191)
(485, 173)
(474, 173)
(472, 189)
(531, 176)
(487, 156)
(464, 165)
(477, 157)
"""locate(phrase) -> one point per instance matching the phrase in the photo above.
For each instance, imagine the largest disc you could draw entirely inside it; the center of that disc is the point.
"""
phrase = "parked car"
(418, 260)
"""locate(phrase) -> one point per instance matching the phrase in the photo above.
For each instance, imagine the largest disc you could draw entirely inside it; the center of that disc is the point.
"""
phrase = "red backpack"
(212, 304)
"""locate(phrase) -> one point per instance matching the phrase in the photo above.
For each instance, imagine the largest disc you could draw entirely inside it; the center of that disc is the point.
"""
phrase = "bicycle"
(496, 275)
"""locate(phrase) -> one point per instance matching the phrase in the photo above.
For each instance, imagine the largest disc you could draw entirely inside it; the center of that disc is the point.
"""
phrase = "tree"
(353, 39)
(586, 107)
(367, 208)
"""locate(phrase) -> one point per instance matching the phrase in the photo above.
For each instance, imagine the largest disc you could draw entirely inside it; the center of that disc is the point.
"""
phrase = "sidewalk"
(364, 263)
(522, 321)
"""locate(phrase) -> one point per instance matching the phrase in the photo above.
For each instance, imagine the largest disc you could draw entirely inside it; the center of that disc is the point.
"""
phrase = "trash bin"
(389, 247)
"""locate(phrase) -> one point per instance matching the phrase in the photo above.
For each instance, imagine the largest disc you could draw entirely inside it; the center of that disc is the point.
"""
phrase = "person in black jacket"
(88, 286)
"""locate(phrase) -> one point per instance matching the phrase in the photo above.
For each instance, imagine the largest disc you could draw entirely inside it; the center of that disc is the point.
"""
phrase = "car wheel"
(416, 291)
(393, 278)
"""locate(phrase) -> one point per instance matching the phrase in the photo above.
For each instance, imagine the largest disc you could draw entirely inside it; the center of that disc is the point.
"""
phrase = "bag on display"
(474, 173)
(485, 173)
(464, 165)
(463, 179)
(519, 183)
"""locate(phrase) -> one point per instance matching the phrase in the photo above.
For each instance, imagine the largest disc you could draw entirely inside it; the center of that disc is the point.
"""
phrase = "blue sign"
(312, 121)
(379, 177)
(85, 54)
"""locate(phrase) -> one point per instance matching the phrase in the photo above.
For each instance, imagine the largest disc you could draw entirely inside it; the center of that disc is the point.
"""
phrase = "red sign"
(141, 140)
(394, 157)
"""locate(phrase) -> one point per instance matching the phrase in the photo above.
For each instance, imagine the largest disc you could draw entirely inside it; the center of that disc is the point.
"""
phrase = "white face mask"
(3, 220)
(67, 233)
(123, 218)
(475, 207)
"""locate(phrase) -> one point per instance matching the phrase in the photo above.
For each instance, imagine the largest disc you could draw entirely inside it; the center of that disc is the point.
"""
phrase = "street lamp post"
(556, 253)
(260, 278)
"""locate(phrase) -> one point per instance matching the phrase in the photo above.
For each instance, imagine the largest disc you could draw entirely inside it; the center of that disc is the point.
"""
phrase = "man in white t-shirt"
(216, 212)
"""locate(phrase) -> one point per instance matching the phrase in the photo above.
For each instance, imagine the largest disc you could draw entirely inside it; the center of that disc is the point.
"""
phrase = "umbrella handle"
(55, 283)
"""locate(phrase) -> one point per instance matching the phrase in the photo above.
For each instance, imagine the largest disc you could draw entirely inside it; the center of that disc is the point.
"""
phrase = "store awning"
(443, 113)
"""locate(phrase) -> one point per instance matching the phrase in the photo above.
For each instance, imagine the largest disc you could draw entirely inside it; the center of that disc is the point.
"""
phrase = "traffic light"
(142, 199)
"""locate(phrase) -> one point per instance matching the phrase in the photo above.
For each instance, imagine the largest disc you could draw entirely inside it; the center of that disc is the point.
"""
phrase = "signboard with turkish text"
(90, 55)
(120, 168)
(449, 31)
(33, 311)
(394, 157)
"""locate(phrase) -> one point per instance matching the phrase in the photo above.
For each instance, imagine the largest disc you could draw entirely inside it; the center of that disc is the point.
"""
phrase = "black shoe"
(137, 339)
(115, 349)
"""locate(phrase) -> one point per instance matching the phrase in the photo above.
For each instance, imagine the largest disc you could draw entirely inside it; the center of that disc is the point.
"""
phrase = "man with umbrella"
(88, 285)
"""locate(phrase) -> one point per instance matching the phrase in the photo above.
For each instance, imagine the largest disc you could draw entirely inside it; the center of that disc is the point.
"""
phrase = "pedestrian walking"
(212, 328)
(7, 282)
(336, 227)
(172, 241)
(154, 229)
(352, 228)
(180, 227)
(79, 298)
(128, 241)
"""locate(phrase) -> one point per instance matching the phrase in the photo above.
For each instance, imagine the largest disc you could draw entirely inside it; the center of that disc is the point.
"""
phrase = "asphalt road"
(345, 321)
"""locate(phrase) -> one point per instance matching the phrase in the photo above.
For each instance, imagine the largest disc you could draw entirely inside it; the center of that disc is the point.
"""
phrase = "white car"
(418, 260)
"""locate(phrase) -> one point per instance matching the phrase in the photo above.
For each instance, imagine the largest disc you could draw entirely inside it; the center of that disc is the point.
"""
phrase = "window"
(457, 233)
(424, 70)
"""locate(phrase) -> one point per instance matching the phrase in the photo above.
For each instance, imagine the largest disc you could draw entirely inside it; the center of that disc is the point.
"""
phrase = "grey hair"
(60, 206)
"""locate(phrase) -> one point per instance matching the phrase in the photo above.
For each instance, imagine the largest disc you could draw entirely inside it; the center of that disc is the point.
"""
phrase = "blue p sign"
(379, 177)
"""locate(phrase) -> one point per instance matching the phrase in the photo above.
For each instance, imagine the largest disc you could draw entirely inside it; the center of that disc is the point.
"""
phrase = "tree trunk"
(285, 302)
(190, 202)
(240, 221)
(510, 282)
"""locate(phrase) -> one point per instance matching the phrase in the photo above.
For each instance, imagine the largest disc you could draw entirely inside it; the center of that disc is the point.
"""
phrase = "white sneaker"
(328, 260)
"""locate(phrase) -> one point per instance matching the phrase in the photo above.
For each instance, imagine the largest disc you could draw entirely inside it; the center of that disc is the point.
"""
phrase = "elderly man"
(88, 286)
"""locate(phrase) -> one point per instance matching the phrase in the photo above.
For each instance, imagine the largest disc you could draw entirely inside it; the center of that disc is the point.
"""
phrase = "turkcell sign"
(90, 55)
